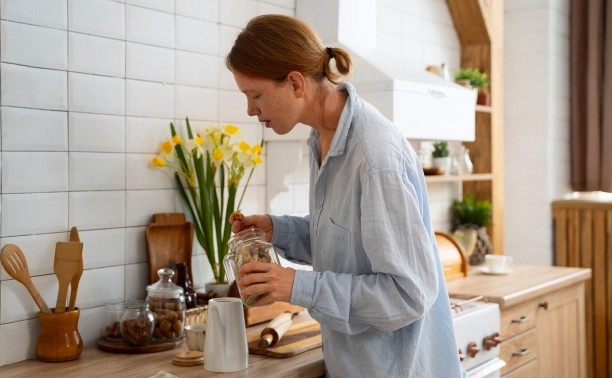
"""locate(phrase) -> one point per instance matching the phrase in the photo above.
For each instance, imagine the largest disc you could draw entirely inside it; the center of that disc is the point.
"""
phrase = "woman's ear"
(298, 82)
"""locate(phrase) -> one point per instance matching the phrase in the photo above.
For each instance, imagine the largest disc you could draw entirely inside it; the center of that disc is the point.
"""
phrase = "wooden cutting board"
(169, 242)
(299, 338)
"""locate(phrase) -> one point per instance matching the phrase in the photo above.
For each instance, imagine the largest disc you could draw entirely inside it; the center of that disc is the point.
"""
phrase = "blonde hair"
(271, 46)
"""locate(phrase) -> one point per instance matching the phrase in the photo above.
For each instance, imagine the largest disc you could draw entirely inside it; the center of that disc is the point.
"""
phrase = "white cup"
(194, 336)
(498, 263)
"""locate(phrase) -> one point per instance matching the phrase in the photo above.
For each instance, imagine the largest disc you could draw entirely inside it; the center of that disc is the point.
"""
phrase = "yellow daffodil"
(167, 148)
(195, 144)
(231, 129)
(177, 139)
(256, 149)
(258, 160)
(217, 154)
(244, 146)
(158, 162)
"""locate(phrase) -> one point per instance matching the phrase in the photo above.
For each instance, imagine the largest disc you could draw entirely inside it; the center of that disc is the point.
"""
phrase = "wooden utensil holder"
(59, 336)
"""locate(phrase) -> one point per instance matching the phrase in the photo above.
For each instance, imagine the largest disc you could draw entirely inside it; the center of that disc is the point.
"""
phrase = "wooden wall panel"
(583, 237)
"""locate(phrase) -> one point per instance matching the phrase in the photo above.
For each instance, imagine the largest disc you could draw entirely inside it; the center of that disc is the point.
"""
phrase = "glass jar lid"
(164, 288)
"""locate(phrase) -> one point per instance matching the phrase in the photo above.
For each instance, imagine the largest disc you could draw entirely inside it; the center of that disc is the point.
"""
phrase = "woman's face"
(277, 104)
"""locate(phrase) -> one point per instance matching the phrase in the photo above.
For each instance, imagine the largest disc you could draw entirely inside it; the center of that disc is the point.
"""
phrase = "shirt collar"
(344, 124)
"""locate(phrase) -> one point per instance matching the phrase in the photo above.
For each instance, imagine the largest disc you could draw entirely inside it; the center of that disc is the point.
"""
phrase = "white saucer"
(485, 270)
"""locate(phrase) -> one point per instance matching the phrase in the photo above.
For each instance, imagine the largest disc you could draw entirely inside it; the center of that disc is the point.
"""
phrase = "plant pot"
(483, 99)
(483, 247)
(464, 83)
(443, 162)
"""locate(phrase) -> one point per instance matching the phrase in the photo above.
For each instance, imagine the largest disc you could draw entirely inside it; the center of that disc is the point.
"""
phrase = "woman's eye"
(256, 97)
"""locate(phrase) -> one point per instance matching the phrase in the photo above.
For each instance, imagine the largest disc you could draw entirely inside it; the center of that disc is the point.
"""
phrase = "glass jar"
(245, 247)
(112, 324)
(137, 323)
(167, 303)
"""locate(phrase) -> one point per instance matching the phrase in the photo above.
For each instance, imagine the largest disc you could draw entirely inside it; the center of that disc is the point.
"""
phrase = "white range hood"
(423, 105)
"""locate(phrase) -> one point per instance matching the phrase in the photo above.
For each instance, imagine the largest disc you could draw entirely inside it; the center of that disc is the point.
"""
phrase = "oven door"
(489, 369)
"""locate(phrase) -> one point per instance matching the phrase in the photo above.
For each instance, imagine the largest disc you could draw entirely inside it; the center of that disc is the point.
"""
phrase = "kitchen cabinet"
(479, 26)
(542, 318)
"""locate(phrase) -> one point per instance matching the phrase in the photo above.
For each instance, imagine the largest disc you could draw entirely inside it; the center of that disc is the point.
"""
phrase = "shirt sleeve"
(403, 284)
(291, 238)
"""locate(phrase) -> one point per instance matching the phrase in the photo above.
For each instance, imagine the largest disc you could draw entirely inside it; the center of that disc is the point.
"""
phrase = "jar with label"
(244, 247)
(137, 323)
(167, 303)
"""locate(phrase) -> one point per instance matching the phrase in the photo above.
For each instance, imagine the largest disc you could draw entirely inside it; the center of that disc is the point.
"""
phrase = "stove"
(477, 334)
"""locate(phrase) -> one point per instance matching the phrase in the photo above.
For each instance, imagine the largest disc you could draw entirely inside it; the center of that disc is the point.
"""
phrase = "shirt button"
(318, 205)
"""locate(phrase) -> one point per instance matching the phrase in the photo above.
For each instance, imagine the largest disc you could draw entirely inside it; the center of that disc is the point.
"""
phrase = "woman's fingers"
(266, 279)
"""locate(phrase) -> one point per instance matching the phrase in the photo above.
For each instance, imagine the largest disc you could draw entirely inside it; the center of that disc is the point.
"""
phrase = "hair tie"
(329, 52)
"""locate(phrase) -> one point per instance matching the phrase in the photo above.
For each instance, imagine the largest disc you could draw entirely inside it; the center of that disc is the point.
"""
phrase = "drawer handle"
(522, 319)
(523, 352)
(543, 305)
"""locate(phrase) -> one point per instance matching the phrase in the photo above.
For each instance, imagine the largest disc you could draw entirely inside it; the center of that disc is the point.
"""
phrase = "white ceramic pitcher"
(225, 348)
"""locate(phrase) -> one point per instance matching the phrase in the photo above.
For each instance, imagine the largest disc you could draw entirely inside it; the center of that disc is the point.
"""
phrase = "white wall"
(89, 88)
(537, 147)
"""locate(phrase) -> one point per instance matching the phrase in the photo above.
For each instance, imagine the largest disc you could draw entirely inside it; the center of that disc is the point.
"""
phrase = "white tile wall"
(33, 45)
(96, 98)
(33, 87)
(536, 130)
(96, 55)
(49, 13)
(33, 130)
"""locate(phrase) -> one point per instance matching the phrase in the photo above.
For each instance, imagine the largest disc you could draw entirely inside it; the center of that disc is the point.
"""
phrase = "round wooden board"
(120, 347)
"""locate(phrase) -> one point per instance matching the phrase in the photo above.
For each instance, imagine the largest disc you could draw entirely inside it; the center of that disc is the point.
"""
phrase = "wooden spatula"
(16, 265)
(74, 283)
(68, 264)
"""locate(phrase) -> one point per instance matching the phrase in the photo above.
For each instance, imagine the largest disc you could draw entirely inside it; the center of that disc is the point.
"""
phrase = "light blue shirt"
(377, 286)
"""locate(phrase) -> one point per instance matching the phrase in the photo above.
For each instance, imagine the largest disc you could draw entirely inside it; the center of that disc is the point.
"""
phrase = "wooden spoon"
(16, 265)
(67, 265)
(74, 283)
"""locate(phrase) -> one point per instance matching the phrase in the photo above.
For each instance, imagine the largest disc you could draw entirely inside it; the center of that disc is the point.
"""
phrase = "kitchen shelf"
(457, 178)
(484, 109)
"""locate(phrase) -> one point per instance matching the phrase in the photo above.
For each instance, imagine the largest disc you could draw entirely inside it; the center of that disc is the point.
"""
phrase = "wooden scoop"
(68, 267)
(74, 283)
(16, 265)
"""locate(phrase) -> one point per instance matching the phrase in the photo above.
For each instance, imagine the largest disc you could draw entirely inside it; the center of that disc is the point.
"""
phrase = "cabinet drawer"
(517, 319)
(519, 350)
(529, 370)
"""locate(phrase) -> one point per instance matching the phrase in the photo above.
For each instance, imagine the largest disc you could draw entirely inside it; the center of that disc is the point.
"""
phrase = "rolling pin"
(275, 330)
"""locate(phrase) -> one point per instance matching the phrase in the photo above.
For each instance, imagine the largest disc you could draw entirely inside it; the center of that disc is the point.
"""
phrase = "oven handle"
(522, 319)
(523, 352)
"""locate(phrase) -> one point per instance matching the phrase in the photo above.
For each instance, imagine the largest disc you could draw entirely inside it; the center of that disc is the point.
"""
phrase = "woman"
(377, 286)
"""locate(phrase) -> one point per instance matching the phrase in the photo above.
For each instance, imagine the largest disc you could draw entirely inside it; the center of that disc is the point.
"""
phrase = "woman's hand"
(240, 222)
(271, 282)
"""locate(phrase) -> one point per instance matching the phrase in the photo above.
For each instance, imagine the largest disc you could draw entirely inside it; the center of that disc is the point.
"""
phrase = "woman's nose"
(252, 110)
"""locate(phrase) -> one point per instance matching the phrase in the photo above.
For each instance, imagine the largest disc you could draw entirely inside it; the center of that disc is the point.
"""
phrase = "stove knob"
(491, 341)
(473, 349)
(461, 355)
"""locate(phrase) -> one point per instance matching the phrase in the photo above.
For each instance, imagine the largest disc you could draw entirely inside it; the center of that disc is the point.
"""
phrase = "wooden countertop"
(523, 283)
(95, 363)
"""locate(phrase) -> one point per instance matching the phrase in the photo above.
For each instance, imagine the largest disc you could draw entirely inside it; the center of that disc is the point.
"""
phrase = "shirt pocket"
(340, 234)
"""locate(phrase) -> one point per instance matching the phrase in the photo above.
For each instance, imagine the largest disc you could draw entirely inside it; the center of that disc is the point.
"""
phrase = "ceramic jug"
(225, 348)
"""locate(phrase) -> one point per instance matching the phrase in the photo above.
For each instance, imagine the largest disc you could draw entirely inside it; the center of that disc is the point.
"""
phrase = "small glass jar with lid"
(111, 329)
(137, 323)
(167, 302)
(244, 247)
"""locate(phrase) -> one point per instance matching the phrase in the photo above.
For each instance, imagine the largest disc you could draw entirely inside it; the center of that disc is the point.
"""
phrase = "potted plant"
(471, 216)
(208, 169)
(473, 78)
(441, 158)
